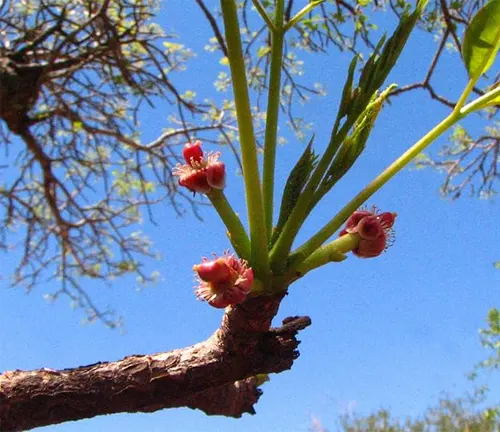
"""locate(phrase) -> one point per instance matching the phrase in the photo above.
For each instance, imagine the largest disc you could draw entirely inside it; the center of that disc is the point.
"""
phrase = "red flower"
(374, 230)
(224, 281)
(200, 174)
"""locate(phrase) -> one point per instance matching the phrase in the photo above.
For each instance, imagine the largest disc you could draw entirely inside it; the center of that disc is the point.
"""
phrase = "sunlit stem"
(256, 218)
(262, 12)
(331, 252)
(305, 10)
(481, 102)
(273, 105)
(235, 229)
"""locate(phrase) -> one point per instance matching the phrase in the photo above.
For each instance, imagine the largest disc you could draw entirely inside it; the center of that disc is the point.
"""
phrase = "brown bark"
(216, 376)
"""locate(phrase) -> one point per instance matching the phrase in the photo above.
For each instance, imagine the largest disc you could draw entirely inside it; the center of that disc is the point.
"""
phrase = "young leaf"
(354, 145)
(384, 58)
(347, 95)
(482, 39)
(294, 186)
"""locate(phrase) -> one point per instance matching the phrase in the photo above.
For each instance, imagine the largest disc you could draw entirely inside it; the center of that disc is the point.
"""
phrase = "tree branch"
(216, 376)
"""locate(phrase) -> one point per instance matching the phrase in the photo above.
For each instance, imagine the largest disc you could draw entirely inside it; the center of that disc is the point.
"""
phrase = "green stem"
(235, 229)
(273, 105)
(331, 252)
(305, 10)
(465, 94)
(334, 224)
(481, 102)
(262, 12)
(256, 219)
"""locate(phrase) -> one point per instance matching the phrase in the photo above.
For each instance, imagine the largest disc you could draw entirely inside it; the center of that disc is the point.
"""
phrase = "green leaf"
(482, 39)
(294, 186)
(355, 143)
(383, 59)
(347, 95)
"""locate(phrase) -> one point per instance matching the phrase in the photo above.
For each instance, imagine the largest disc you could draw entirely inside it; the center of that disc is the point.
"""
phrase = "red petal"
(371, 248)
(387, 219)
(196, 182)
(216, 175)
(193, 152)
(370, 228)
(213, 271)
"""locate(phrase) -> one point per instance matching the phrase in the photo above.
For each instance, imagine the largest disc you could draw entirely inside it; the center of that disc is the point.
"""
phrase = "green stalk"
(481, 102)
(256, 219)
(334, 224)
(305, 10)
(331, 252)
(273, 105)
(262, 12)
(235, 229)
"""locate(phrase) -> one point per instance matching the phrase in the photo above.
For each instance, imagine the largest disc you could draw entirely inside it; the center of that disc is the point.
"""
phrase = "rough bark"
(216, 376)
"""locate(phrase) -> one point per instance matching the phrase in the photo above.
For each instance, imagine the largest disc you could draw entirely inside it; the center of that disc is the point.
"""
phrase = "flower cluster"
(200, 174)
(374, 230)
(224, 280)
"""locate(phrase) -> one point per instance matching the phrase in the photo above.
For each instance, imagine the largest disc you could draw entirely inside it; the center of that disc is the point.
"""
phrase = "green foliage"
(355, 143)
(450, 415)
(490, 339)
(482, 39)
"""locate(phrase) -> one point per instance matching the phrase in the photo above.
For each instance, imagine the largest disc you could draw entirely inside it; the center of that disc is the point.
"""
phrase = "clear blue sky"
(391, 332)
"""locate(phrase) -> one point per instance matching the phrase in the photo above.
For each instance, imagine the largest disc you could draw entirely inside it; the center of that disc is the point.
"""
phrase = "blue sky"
(392, 332)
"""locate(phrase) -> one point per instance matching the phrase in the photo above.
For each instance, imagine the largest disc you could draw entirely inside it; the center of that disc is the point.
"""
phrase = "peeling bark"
(216, 376)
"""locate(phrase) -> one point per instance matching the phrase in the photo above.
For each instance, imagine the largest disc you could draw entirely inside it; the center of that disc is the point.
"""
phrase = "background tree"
(449, 415)
(21, 127)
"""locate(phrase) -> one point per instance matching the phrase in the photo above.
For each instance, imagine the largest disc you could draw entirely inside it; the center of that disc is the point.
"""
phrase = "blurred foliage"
(464, 414)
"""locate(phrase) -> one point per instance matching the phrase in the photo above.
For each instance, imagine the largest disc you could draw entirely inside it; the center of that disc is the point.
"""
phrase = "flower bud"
(374, 231)
(201, 173)
(223, 281)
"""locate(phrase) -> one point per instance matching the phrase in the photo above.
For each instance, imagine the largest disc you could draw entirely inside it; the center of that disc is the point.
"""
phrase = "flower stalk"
(273, 105)
(235, 229)
(256, 216)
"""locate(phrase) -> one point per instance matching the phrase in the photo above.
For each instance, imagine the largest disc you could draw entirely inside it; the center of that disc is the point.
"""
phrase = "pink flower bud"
(200, 174)
(374, 231)
(223, 281)
(192, 152)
